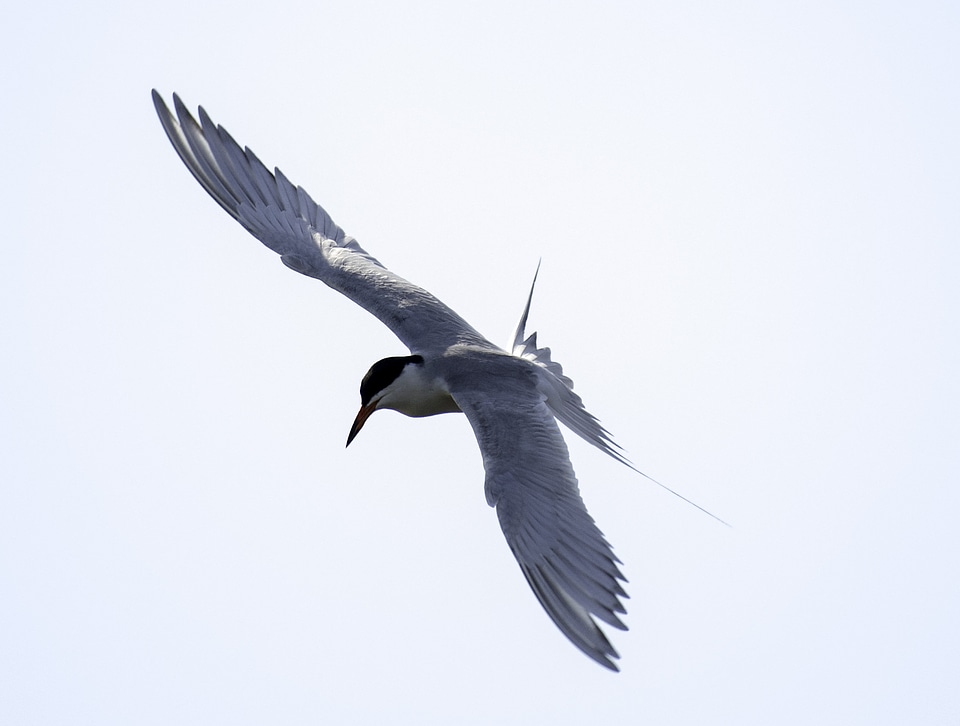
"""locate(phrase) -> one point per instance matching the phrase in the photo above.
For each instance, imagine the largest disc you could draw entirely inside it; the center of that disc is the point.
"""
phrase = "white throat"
(417, 393)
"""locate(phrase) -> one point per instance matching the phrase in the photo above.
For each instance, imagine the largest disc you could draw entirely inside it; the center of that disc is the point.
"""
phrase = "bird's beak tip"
(358, 422)
(354, 430)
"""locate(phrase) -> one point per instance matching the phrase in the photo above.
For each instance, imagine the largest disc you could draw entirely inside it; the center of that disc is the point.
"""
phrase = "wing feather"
(567, 562)
(285, 219)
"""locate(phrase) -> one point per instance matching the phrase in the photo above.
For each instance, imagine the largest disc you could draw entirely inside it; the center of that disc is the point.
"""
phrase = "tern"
(512, 399)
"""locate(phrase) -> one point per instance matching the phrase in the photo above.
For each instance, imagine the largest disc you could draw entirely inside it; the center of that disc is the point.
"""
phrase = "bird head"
(381, 383)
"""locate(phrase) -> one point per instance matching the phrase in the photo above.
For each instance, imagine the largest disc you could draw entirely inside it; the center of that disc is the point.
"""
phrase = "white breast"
(417, 393)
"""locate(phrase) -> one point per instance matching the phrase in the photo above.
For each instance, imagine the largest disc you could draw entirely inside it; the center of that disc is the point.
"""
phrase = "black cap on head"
(383, 373)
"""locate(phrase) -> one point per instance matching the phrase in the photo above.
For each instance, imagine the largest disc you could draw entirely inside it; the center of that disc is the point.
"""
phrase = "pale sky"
(748, 220)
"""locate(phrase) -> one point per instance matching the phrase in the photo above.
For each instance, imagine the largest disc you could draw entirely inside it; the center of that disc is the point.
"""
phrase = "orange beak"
(360, 420)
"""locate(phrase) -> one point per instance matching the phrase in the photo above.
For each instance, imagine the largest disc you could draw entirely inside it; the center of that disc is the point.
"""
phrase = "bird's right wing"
(529, 479)
(290, 223)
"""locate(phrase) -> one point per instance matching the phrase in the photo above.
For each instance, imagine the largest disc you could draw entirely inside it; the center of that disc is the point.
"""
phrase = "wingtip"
(159, 104)
(573, 620)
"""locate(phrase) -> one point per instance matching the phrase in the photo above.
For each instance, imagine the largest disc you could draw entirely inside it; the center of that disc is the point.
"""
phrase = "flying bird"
(512, 399)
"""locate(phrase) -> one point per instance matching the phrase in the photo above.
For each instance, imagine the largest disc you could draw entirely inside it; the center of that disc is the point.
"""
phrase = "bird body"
(512, 399)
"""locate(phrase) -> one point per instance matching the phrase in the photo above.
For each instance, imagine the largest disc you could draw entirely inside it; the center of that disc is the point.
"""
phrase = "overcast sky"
(748, 216)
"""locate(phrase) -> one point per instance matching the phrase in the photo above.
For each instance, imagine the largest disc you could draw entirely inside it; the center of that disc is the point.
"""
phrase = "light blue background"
(748, 216)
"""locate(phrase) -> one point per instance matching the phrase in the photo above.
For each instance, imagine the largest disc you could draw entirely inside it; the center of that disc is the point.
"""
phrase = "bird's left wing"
(290, 223)
(529, 479)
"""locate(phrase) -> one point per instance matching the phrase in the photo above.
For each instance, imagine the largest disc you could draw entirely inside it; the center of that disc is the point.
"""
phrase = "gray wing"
(529, 479)
(290, 223)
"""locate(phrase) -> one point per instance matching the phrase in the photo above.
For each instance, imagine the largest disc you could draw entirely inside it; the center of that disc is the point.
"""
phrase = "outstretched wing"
(529, 479)
(290, 223)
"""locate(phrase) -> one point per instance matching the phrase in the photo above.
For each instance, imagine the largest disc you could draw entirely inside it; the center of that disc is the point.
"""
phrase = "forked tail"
(568, 407)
